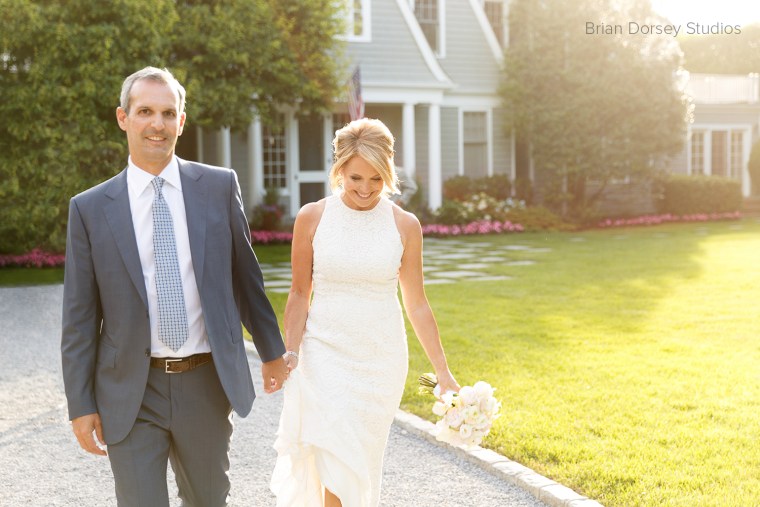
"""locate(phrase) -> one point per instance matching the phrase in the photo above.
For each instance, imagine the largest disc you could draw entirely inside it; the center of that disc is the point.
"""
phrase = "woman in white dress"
(347, 348)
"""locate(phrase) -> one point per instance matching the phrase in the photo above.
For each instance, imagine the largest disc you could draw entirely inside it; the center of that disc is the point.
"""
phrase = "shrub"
(686, 195)
(461, 188)
(267, 216)
(451, 212)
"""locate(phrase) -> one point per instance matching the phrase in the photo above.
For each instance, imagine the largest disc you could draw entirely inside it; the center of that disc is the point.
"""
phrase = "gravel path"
(41, 464)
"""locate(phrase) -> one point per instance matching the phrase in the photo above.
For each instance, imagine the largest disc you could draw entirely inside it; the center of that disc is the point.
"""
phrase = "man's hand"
(275, 373)
(83, 427)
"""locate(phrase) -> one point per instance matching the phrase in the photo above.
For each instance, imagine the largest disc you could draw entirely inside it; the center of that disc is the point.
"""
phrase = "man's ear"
(121, 118)
(182, 119)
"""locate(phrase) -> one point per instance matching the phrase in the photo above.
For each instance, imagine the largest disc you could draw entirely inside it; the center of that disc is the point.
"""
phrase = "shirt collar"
(138, 180)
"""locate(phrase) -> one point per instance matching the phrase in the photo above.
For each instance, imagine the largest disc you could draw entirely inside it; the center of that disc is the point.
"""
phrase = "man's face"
(153, 124)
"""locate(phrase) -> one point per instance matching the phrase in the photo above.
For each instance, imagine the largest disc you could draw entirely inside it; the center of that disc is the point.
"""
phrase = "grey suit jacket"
(105, 343)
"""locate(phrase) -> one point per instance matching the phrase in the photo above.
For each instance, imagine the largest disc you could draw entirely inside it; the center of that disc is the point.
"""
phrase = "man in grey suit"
(159, 275)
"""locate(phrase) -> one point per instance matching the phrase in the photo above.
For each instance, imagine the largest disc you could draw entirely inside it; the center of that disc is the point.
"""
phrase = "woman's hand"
(447, 382)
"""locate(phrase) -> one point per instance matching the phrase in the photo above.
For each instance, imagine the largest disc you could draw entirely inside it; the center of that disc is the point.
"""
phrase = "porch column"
(199, 135)
(746, 150)
(408, 140)
(708, 152)
(293, 160)
(225, 143)
(435, 184)
(328, 132)
(256, 161)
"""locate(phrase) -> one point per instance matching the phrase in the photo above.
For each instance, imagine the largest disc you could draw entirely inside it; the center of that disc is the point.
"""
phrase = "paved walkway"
(445, 260)
(42, 465)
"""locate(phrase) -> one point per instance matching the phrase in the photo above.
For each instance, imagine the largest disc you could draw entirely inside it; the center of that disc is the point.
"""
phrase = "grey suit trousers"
(185, 418)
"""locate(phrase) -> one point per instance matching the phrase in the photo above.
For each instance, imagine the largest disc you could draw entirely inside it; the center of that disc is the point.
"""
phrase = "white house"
(430, 71)
(726, 125)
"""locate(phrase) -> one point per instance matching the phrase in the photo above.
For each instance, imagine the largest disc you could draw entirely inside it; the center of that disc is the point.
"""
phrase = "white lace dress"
(340, 402)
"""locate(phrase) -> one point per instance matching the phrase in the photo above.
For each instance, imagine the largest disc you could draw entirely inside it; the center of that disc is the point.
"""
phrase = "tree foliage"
(594, 107)
(62, 65)
(725, 54)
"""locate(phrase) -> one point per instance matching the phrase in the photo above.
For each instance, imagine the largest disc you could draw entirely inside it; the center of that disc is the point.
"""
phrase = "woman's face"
(362, 184)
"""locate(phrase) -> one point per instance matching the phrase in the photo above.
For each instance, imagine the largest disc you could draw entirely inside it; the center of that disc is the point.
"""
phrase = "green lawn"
(628, 362)
(628, 367)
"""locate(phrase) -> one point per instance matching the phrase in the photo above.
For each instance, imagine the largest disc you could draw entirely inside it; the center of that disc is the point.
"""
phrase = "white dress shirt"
(141, 193)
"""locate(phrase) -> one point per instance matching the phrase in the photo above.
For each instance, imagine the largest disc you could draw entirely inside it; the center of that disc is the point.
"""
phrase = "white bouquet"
(466, 416)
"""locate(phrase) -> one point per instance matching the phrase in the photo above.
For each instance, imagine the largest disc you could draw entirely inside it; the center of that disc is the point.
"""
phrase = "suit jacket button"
(147, 352)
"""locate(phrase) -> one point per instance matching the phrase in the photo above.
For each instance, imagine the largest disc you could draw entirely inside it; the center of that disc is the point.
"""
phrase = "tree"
(63, 64)
(593, 107)
(241, 56)
(726, 54)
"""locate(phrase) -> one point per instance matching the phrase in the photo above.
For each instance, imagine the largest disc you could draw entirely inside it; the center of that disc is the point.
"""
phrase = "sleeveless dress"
(339, 403)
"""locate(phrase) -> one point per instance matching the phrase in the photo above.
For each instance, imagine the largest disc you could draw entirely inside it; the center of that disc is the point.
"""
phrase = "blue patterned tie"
(172, 315)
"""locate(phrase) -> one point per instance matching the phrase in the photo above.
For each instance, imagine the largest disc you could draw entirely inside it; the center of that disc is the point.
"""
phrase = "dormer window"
(495, 13)
(358, 21)
(429, 14)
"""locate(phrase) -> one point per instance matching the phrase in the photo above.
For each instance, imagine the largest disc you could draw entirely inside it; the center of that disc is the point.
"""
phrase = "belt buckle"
(168, 362)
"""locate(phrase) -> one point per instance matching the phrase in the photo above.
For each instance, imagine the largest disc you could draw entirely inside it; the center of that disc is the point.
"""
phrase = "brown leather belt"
(180, 364)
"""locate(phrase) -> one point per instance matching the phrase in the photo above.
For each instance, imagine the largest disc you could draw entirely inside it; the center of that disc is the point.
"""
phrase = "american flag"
(355, 102)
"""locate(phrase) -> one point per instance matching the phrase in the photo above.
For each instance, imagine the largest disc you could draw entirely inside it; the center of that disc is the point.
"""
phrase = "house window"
(428, 14)
(274, 152)
(698, 153)
(736, 154)
(475, 141)
(495, 14)
(358, 20)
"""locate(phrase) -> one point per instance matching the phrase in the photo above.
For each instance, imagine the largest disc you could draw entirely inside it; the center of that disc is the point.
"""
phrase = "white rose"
(468, 396)
(465, 431)
(448, 398)
(439, 408)
(472, 415)
(454, 417)
(437, 391)
(483, 389)
(488, 405)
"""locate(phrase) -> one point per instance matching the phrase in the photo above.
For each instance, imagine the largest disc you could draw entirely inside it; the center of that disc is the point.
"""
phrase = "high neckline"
(365, 211)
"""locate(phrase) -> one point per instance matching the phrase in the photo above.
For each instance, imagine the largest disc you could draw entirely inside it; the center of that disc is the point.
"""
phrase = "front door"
(310, 180)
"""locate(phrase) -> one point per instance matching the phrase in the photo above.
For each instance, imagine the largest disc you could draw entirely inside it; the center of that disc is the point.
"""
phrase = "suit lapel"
(119, 217)
(195, 196)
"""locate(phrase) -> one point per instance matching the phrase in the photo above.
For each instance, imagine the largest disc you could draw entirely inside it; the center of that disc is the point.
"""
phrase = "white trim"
(393, 95)
(471, 101)
(422, 43)
(485, 26)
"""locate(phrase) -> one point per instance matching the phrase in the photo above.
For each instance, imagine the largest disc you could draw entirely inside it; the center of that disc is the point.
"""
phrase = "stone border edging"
(543, 488)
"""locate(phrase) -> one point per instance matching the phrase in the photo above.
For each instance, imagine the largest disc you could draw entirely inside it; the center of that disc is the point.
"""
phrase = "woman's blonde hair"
(371, 140)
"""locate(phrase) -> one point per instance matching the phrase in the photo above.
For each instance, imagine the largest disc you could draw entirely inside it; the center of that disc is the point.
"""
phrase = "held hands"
(291, 360)
(83, 428)
(274, 373)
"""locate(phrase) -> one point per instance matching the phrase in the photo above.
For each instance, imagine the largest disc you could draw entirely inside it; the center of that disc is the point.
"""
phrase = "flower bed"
(478, 227)
(39, 259)
(668, 218)
(34, 259)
